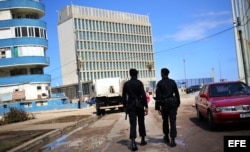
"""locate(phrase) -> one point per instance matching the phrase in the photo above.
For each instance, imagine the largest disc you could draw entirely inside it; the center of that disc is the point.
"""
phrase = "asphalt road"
(111, 133)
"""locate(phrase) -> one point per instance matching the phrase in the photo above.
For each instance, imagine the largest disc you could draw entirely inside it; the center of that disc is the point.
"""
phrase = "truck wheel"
(98, 112)
(103, 111)
(121, 109)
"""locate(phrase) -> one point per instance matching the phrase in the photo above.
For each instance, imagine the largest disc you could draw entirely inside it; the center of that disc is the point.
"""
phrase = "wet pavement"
(58, 129)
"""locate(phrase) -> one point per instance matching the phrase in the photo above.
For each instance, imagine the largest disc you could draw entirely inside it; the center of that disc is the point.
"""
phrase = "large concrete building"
(105, 44)
(241, 13)
(23, 45)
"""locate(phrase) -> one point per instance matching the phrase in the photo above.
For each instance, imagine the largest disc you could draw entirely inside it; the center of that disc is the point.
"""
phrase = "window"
(37, 32)
(17, 32)
(24, 32)
(36, 71)
(18, 72)
(31, 32)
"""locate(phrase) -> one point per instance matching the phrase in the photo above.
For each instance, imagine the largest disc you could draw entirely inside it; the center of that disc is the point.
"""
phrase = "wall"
(41, 105)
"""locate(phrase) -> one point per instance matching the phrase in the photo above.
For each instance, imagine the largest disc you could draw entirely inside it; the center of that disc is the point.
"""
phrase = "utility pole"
(242, 50)
(79, 62)
(79, 66)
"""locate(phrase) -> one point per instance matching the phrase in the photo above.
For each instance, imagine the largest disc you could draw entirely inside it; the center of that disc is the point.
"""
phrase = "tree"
(150, 66)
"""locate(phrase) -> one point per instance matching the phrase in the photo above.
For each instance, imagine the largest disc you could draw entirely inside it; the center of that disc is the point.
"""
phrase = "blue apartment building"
(23, 45)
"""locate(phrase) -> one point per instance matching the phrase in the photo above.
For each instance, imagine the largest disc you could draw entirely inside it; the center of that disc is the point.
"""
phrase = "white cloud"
(213, 14)
(198, 29)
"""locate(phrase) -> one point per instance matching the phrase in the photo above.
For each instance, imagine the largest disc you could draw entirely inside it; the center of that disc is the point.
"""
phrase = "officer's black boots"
(172, 142)
(166, 139)
(143, 142)
(133, 145)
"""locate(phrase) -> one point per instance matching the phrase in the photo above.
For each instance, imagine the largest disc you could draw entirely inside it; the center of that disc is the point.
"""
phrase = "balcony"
(25, 79)
(23, 41)
(23, 6)
(27, 60)
(22, 22)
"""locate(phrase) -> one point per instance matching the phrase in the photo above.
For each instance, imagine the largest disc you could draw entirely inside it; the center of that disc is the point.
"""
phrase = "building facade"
(241, 13)
(105, 44)
(23, 45)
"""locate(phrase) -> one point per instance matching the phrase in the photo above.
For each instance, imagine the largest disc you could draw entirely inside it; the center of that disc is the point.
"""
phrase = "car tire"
(211, 121)
(199, 116)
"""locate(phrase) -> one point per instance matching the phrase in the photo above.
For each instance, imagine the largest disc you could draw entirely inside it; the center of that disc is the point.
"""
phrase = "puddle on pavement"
(180, 142)
(88, 144)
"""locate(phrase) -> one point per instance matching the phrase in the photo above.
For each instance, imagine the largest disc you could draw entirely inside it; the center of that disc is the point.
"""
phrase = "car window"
(203, 89)
(219, 90)
(239, 89)
(228, 89)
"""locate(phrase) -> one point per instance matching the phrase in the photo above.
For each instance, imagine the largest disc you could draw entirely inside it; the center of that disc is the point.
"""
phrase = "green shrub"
(17, 115)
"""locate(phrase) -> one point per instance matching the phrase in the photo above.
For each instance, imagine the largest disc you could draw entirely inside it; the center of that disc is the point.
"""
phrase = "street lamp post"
(184, 63)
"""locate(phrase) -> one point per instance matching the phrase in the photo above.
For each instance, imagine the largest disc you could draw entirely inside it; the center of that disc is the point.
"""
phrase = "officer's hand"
(146, 111)
(159, 112)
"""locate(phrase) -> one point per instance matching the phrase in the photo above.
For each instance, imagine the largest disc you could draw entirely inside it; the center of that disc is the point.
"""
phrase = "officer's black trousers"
(133, 115)
(169, 117)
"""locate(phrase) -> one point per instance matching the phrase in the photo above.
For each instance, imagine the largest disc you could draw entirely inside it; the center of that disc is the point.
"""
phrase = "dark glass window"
(24, 32)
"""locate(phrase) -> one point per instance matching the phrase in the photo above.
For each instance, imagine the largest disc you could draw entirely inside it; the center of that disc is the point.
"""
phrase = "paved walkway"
(59, 129)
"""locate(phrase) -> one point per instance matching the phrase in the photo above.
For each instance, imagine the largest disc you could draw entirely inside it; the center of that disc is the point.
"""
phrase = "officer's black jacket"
(134, 89)
(166, 88)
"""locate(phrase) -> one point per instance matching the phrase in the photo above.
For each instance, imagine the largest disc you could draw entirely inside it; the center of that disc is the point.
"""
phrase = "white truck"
(108, 94)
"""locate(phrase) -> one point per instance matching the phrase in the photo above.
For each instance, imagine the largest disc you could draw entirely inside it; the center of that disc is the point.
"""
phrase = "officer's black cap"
(165, 71)
(133, 72)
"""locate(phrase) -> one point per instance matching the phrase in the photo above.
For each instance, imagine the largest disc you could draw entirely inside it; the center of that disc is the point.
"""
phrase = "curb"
(37, 143)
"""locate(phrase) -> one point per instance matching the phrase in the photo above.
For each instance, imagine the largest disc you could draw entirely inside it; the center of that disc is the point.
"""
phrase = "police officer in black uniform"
(166, 93)
(135, 104)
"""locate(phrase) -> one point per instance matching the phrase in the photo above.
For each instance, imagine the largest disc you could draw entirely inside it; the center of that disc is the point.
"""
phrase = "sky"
(190, 37)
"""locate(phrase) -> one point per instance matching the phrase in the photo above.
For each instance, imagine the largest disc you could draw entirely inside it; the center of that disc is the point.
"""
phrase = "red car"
(223, 102)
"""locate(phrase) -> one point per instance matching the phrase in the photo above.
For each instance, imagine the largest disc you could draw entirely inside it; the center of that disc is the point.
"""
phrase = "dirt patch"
(12, 139)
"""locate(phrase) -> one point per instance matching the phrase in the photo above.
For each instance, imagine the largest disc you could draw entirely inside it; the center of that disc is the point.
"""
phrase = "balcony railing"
(27, 60)
(36, 5)
(23, 22)
(25, 79)
(24, 41)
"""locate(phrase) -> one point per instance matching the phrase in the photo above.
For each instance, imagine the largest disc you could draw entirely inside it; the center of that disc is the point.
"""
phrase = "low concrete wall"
(41, 105)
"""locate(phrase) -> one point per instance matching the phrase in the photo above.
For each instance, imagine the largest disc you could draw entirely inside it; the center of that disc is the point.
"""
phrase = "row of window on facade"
(29, 16)
(83, 45)
(95, 25)
(30, 31)
(112, 65)
(113, 37)
(115, 56)
(86, 76)
(23, 71)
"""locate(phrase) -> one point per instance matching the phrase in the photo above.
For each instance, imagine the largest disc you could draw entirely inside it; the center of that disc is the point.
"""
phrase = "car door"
(202, 100)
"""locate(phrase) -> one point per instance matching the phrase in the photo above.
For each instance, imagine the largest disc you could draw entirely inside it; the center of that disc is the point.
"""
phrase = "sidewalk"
(58, 129)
